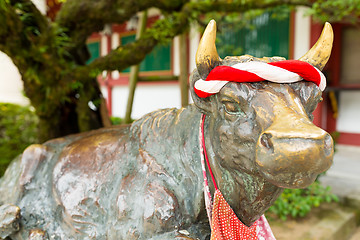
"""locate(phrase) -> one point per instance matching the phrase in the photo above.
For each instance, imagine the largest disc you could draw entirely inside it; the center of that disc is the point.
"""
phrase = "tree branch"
(243, 6)
(10, 23)
(36, 49)
(82, 18)
(22, 24)
(169, 27)
(34, 16)
(133, 53)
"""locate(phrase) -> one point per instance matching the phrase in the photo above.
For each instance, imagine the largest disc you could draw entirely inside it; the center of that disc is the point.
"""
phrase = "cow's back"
(65, 182)
(97, 184)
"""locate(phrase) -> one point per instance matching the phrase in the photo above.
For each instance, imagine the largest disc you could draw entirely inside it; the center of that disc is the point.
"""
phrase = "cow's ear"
(204, 104)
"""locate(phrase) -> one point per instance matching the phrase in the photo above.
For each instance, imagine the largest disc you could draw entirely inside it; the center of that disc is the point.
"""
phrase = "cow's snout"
(292, 156)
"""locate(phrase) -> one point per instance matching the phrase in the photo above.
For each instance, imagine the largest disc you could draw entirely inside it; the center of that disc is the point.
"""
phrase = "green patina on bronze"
(144, 180)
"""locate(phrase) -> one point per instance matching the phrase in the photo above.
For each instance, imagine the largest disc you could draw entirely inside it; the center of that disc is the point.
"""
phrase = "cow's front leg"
(9, 220)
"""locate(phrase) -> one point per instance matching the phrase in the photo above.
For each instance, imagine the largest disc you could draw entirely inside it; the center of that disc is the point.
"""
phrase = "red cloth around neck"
(225, 225)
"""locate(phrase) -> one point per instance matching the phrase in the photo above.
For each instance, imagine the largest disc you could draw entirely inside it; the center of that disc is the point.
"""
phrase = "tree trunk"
(81, 112)
(184, 72)
(134, 71)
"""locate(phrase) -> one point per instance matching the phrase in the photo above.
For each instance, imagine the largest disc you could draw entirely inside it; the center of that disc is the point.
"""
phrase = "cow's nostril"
(328, 145)
(265, 140)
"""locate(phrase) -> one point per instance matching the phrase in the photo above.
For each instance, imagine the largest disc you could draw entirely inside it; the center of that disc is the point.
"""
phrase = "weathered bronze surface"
(144, 181)
(9, 220)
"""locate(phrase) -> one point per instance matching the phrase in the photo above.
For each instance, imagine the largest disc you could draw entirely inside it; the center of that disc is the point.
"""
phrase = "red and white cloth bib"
(225, 225)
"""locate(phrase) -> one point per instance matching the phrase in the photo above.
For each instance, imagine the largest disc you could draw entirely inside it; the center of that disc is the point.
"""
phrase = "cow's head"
(264, 129)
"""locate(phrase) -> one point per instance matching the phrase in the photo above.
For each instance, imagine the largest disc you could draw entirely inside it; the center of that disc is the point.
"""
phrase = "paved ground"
(344, 179)
(356, 235)
(344, 175)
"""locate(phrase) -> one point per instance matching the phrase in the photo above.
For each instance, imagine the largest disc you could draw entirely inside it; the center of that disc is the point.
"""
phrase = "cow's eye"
(232, 108)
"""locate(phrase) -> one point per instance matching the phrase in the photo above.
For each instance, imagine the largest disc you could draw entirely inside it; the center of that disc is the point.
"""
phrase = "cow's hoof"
(9, 220)
(37, 234)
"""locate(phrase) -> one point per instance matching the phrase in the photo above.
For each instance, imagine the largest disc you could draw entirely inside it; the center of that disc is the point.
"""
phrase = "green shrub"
(118, 120)
(299, 202)
(18, 129)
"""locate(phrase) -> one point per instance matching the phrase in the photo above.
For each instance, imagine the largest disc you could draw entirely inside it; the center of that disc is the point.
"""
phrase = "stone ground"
(356, 236)
(322, 223)
(335, 221)
(293, 229)
(344, 175)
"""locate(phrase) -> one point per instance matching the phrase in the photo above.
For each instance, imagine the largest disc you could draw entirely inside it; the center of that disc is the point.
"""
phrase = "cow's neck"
(249, 195)
(169, 139)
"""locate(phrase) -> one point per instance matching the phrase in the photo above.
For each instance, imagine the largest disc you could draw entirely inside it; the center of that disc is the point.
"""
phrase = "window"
(94, 50)
(270, 37)
(158, 60)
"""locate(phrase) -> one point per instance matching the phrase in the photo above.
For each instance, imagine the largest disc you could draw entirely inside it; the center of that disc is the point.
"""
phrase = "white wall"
(11, 86)
(147, 98)
(194, 37)
(349, 112)
(302, 33)
(41, 5)
(150, 97)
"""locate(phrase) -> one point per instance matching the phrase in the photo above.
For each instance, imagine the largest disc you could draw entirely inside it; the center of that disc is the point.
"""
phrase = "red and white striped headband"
(287, 71)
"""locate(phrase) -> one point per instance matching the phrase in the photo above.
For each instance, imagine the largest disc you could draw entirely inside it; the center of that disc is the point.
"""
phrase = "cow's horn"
(319, 54)
(206, 56)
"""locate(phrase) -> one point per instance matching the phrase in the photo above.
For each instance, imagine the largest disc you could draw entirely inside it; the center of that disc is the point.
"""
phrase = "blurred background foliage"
(52, 55)
(18, 129)
(297, 203)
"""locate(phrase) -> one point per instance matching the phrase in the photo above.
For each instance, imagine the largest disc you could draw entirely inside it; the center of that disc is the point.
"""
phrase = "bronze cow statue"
(144, 181)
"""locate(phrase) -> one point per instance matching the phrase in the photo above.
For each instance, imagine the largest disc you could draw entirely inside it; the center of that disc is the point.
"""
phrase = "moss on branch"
(51, 56)
(167, 28)
(82, 18)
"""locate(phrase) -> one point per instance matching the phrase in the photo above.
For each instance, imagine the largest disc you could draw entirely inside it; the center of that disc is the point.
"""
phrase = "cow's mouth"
(293, 162)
